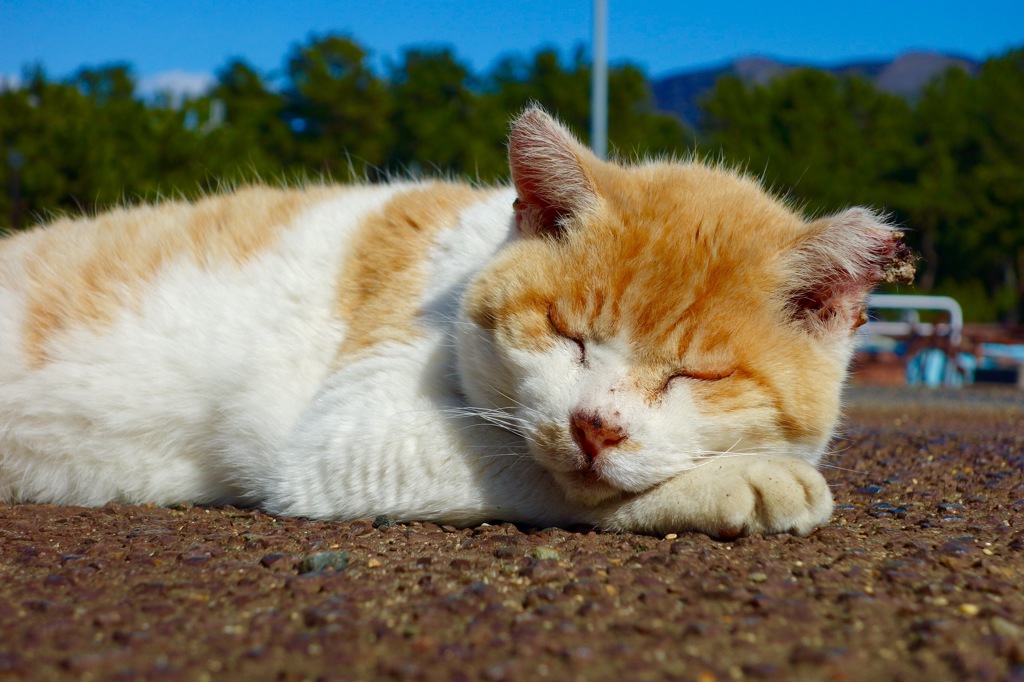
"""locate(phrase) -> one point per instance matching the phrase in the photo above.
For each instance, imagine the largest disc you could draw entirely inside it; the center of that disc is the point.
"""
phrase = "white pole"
(599, 81)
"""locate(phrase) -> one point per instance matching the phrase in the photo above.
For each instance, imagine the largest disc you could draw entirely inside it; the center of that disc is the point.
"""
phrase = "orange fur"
(685, 263)
(83, 272)
(382, 277)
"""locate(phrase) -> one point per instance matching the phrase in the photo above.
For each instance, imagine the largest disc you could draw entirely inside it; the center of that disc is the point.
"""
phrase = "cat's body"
(427, 351)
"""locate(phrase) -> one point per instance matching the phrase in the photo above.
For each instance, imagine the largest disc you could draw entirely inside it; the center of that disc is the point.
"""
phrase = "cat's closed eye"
(703, 376)
(560, 328)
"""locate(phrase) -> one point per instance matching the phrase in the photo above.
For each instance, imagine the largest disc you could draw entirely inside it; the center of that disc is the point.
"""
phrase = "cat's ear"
(550, 171)
(833, 268)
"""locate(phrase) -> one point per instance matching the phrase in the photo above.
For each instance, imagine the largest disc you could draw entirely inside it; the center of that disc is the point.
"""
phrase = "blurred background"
(914, 108)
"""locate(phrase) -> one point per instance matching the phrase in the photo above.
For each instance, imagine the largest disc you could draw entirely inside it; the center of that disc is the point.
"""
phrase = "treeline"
(950, 166)
(89, 141)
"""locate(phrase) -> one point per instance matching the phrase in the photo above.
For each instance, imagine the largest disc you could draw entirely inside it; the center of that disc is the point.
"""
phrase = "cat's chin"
(586, 488)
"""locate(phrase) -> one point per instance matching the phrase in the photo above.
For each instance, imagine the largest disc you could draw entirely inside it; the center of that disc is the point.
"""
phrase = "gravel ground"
(918, 577)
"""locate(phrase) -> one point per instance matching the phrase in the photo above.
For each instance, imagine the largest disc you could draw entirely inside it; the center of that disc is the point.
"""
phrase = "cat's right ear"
(550, 171)
(836, 264)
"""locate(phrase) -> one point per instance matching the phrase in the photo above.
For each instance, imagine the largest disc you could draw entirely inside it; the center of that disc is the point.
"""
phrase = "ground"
(918, 577)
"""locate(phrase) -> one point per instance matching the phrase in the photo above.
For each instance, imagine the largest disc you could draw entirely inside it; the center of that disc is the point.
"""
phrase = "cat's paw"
(731, 497)
(766, 495)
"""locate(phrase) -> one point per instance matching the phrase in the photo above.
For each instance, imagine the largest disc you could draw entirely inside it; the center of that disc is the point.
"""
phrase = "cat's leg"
(728, 497)
(409, 461)
(388, 434)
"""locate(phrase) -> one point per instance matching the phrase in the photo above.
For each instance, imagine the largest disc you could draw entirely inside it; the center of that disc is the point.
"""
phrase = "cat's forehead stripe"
(383, 277)
(82, 273)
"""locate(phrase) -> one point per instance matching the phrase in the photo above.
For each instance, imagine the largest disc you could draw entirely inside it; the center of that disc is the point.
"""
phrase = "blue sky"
(198, 37)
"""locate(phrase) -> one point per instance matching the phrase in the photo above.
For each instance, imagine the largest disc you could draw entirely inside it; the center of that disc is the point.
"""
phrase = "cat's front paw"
(731, 497)
(767, 495)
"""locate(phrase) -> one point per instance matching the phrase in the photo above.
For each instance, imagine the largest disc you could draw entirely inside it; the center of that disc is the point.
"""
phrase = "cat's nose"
(594, 433)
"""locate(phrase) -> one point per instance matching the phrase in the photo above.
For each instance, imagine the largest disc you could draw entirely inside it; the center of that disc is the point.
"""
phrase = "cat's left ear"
(551, 173)
(834, 267)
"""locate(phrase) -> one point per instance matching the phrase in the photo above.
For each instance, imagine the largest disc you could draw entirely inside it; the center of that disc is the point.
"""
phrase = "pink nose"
(594, 434)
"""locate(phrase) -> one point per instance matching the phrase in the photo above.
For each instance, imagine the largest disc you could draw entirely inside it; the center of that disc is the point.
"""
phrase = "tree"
(435, 118)
(337, 107)
(998, 178)
(242, 123)
(635, 127)
(831, 141)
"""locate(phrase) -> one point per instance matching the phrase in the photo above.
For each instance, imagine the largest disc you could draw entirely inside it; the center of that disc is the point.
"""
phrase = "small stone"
(383, 521)
(545, 571)
(1003, 627)
(762, 671)
(869, 490)
(545, 553)
(969, 609)
(758, 577)
(506, 553)
(269, 560)
(322, 561)
(671, 536)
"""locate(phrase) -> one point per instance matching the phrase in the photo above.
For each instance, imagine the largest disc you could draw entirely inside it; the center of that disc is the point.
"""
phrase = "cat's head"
(647, 317)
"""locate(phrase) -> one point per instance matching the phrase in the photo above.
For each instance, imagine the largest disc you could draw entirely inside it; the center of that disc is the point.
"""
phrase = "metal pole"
(599, 81)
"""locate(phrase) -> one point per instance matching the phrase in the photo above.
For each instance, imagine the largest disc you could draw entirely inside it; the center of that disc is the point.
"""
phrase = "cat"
(654, 347)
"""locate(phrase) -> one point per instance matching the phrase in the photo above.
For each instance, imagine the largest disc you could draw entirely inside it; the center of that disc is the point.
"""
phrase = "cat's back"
(83, 274)
(177, 330)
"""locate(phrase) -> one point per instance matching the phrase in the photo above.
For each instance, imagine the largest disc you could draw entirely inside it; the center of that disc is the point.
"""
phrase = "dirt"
(918, 577)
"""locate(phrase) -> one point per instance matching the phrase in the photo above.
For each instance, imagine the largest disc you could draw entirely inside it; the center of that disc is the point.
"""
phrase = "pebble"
(1003, 627)
(545, 553)
(322, 561)
(269, 560)
(758, 577)
(383, 521)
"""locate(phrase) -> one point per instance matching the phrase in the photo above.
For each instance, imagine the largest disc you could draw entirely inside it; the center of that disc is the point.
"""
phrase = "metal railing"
(930, 350)
(910, 323)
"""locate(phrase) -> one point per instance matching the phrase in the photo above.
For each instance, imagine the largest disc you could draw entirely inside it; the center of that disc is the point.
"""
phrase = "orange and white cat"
(657, 347)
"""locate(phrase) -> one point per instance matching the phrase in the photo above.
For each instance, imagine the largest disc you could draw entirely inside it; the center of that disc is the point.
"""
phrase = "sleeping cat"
(657, 347)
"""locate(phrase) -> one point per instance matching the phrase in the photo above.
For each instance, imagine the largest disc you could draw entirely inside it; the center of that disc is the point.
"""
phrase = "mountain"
(906, 76)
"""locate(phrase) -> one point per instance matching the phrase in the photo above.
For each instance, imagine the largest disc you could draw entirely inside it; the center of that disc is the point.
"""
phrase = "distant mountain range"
(906, 76)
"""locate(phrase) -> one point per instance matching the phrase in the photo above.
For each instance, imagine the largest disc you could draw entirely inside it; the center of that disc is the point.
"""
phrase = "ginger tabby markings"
(657, 347)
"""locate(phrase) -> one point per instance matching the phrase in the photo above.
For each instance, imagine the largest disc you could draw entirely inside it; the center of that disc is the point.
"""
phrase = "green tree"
(242, 124)
(337, 107)
(999, 176)
(435, 118)
(831, 141)
(949, 168)
(635, 128)
(59, 156)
